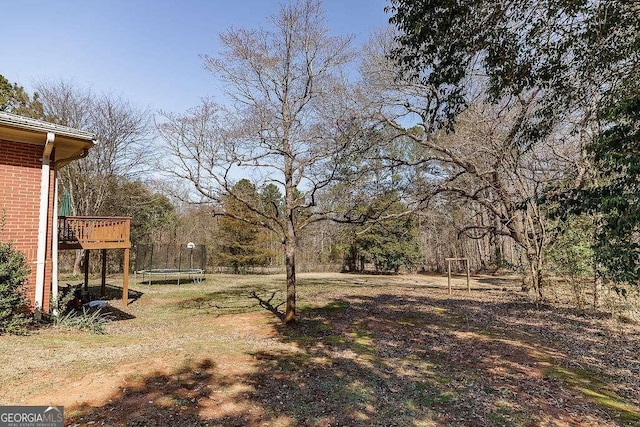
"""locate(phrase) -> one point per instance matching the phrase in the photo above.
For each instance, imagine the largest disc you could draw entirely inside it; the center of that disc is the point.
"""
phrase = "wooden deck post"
(125, 279)
(86, 269)
(84, 232)
(103, 283)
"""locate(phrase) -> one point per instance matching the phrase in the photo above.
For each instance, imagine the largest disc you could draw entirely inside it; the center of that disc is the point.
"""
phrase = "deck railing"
(87, 232)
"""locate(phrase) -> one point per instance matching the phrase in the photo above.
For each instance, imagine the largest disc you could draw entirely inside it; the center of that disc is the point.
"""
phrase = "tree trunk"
(77, 263)
(290, 239)
(596, 290)
(290, 263)
(353, 255)
(539, 281)
(536, 274)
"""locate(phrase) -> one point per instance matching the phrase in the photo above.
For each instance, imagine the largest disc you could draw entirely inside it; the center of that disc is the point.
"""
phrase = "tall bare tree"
(122, 130)
(289, 123)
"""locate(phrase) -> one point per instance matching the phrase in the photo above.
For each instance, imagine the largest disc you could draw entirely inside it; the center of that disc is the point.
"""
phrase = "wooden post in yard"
(125, 279)
(449, 272)
(86, 270)
(103, 283)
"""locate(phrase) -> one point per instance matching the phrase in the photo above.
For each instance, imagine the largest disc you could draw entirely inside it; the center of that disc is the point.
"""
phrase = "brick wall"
(20, 177)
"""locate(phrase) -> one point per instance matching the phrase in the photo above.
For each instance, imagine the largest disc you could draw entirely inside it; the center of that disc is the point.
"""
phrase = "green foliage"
(390, 239)
(593, 53)
(272, 207)
(93, 321)
(272, 201)
(150, 212)
(570, 254)
(614, 195)
(243, 240)
(61, 304)
(13, 303)
(14, 99)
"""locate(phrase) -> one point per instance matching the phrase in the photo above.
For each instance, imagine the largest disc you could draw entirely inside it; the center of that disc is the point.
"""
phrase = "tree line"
(505, 132)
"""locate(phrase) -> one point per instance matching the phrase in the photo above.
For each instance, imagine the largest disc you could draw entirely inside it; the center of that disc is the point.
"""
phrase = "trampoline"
(170, 262)
(194, 274)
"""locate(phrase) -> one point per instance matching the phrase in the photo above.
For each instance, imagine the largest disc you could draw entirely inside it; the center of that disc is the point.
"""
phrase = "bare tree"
(122, 130)
(290, 123)
(490, 162)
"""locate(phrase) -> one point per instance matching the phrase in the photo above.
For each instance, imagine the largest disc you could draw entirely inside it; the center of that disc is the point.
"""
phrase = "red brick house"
(31, 153)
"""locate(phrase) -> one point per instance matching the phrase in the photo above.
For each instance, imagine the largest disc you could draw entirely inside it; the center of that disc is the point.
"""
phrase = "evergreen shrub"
(14, 311)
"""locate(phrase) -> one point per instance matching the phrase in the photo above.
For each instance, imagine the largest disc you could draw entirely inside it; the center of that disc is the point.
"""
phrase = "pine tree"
(244, 243)
(390, 240)
(15, 99)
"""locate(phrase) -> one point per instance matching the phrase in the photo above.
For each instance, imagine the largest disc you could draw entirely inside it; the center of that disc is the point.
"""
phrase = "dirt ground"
(366, 350)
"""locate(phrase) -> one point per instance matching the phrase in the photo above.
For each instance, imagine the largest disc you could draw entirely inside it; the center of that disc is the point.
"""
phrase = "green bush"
(13, 303)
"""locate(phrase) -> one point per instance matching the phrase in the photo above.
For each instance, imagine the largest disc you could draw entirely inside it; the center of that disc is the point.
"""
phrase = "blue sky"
(144, 50)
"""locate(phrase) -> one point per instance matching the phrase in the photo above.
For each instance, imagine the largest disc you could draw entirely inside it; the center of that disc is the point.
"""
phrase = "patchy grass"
(367, 350)
(594, 386)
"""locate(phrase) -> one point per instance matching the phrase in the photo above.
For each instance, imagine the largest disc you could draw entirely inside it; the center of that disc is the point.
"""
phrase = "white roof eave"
(35, 125)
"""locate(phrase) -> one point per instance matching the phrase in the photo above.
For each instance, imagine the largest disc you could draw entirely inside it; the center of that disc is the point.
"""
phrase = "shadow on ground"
(112, 292)
(391, 360)
(157, 400)
(115, 314)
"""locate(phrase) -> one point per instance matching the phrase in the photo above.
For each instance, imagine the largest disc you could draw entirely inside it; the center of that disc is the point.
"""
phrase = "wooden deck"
(90, 232)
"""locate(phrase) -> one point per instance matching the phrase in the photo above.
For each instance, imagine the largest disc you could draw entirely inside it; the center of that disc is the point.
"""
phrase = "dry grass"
(367, 350)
